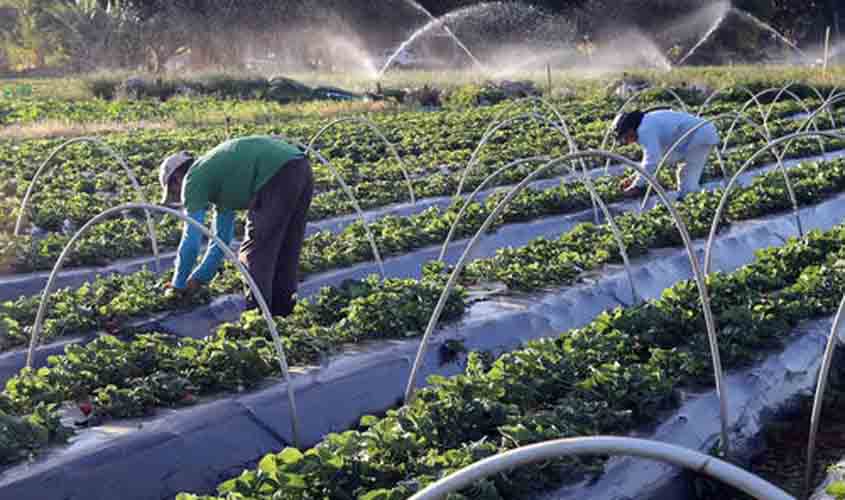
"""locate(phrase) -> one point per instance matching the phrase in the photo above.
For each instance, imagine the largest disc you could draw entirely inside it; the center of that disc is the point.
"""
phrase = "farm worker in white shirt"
(656, 131)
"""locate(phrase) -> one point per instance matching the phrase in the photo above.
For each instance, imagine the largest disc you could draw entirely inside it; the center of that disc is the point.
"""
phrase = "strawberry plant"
(605, 378)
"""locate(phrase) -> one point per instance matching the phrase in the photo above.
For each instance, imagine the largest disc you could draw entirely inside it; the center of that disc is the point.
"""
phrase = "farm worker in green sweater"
(656, 131)
(269, 179)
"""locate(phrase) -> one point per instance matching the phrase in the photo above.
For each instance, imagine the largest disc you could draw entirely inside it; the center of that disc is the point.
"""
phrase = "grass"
(582, 81)
(50, 129)
(576, 84)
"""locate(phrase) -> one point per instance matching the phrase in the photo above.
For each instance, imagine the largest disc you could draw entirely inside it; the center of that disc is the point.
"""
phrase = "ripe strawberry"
(86, 408)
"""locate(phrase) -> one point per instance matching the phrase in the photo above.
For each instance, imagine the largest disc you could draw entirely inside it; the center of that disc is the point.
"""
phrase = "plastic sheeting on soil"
(203, 320)
(14, 286)
(196, 448)
(755, 396)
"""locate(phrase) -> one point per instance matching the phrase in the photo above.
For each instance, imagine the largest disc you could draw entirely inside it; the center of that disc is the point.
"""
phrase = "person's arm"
(651, 154)
(189, 248)
(224, 228)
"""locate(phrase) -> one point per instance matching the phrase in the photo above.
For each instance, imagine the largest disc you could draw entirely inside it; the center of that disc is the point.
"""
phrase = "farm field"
(576, 314)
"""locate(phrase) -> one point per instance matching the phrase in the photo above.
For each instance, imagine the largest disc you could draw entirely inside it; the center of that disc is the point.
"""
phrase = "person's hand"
(630, 189)
(171, 291)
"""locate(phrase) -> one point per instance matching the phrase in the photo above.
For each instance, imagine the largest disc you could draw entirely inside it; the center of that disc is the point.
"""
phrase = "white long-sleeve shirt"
(660, 129)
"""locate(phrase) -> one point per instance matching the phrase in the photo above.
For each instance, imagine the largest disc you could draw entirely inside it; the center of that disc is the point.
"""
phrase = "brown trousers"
(275, 231)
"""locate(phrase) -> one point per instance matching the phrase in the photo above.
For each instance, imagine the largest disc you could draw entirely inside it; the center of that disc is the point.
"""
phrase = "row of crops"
(429, 150)
(616, 374)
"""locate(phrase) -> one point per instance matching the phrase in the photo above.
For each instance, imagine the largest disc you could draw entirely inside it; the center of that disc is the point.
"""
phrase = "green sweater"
(229, 175)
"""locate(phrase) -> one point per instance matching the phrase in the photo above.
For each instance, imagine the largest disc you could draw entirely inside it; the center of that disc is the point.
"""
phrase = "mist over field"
(71, 36)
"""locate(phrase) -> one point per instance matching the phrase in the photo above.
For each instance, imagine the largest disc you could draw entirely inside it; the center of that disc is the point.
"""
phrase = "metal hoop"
(732, 183)
(604, 445)
(262, 303)
(493, 129)
(132, 179)
(821, 386)
(349, 194)
(682, 229)
(374, 128)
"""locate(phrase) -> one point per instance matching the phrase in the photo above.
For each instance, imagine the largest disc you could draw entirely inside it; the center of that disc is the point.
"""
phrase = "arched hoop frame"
(796, 98)
(495, 127)
(594, 194)
(825, 106)
(539, 101)
(709, 101)
(726, 195)
(766, 113)
(262, 303)
(821, 386)
(45, 167)
(469, 199)
(604, 445)
(374, 128)
(682, 229)
(778, 157)
(349, 194)
(608, 132)
(535, 100)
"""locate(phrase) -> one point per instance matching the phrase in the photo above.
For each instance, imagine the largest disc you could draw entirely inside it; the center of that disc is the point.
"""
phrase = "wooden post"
(549, 77)
(826, 49)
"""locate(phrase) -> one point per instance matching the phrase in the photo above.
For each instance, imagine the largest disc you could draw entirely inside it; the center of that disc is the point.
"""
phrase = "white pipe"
(604, 445)
(372, 126)
(685, 237)
(132, 179)
(816, 416)
(262, 303)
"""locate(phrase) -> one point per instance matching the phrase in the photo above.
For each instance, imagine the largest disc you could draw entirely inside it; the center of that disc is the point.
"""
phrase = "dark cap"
(626, 122)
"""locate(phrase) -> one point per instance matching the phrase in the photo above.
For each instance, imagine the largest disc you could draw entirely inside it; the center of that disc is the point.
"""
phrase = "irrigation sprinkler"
(687, 241)
(594, 195)
(604, 445)
(374, 128)
(821, 386)
(129, 173)
(723, 201)
(262, 303)
(689, 133)
(826, 50)
(349, 194)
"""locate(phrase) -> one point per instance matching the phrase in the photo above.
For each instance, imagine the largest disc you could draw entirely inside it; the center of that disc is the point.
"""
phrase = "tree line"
(80, 35)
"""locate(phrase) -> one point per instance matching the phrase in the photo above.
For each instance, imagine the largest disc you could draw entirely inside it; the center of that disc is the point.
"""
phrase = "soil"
(785, 456)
